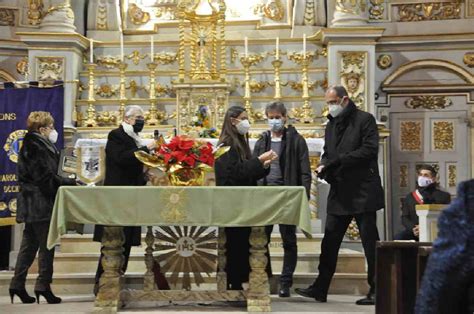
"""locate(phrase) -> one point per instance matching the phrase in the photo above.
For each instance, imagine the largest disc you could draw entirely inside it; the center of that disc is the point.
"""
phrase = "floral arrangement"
(181, 157)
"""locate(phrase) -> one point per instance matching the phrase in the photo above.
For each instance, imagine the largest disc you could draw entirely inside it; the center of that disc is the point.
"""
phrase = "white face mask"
(53, 136)
(335, 110)
(424, 181)
(243, 127)
(276, 125)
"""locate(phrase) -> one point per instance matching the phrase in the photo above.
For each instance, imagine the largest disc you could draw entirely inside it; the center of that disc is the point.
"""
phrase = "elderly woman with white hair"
(122, 168)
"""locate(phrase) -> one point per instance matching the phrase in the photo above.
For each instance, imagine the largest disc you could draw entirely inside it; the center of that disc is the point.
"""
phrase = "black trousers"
(290, 253)
(34, 238)
(405, 235)
(335, 229)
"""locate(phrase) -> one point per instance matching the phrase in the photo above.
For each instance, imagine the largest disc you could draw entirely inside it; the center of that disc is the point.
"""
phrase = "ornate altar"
(201, 90)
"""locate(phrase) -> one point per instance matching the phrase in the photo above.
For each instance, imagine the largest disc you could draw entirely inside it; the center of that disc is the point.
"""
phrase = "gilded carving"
(428, 102)
(35, 12)
(355, 7)
(108, 62)
(353, 76)
(137, 16)
(403, 176)
(134, 88)
(384, 61)
(469, 58)
(410, 135)
(65, 7)
(234, 55)
(50, 68)
(7, 17)
(443, 135)
(256, 86)
(135, 56)
(309, 13)
(106, 90)
(101, 20)
(429, 11)
(452, 176)
(352, 231)
(22, 66)
(470, 8)
(376, 9)
(271, 9)
(107, 118)
(186, 250)
(165, 57)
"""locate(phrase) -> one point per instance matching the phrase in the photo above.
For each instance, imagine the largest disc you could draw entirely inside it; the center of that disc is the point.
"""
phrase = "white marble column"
(59, 18)
(349, 13)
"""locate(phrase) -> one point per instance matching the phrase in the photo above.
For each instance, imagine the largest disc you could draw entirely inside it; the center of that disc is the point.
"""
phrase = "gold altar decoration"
(91, 119)
(429, 11)
(248, 61)
(135, 56)
(7, 17)
(186, 250)
(376, 9)
(66, 7)
(443, 135)
(106, 118)
(352, 231)
(353, 76)
(22, 66)
(468, 58)
(403, 176)
(50, 68)
(137, 15)
(106, 90)
(152, 113)
(428, 102)
(122, 96)
(205, 41)
(384, 61)
(165, 57)
(134, 88)
(410, 135)
(35, 12)
(272, 9)
(355, 7)
(452, 176)
(108, 62)
(101, 13)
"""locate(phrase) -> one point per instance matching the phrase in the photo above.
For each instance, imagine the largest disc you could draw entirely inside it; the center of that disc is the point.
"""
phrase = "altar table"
(221, 207)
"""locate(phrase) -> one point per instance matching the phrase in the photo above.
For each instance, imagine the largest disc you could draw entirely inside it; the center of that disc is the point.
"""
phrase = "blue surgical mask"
(276, 125)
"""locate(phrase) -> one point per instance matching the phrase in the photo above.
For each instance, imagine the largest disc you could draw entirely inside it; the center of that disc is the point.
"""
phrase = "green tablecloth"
(185, 206)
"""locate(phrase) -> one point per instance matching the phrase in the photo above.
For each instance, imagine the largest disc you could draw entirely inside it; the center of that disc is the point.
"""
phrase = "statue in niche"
(354, 83)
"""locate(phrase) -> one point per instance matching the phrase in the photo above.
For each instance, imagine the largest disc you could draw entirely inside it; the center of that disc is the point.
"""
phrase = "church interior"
(408, 63)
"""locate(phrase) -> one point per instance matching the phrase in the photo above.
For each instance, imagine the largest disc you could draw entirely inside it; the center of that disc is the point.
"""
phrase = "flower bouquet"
(185, 160)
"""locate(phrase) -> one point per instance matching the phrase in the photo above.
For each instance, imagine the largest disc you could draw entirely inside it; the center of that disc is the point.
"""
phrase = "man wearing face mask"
(292, 168)
(427, 192)
(124, 169)
(349, 165)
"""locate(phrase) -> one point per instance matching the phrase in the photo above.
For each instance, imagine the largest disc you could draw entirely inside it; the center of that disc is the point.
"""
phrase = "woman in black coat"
(238, 168)
(38, 179)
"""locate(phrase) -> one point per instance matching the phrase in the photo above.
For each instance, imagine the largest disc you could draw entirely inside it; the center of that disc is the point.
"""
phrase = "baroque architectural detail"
(428, 102)
(353, 76)
(106, 90)
(355, 7)
(272, 9)
(376, 9)
(137, 16)
(22, 66)
(309, 13)
(7, 17)
(469, 59)
(452, 176)
(35, 12)
(135, 56)
(50, 68)
(443, 135)
(410, 135)
(108, 62)
(384, 61)
(403, 176)
(101, 21)
(429, 11)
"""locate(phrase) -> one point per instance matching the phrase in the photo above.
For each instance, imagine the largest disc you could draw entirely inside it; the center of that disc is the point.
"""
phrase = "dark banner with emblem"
(15, 106)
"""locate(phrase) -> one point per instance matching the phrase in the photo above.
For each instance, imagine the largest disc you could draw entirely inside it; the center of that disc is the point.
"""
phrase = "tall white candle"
(277, 54)
(91, 55)
(246, 42)
(121, 47)
(152, 49)
(304, 45)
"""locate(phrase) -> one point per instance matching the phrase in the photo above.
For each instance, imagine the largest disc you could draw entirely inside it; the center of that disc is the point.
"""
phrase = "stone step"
(82, 283)
(349, 261)
(76, 243)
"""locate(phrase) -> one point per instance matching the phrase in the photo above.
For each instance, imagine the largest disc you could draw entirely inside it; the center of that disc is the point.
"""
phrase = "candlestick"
(246, 47)
(152, 49)
(277, 53)
(91, 55)
(121, 47)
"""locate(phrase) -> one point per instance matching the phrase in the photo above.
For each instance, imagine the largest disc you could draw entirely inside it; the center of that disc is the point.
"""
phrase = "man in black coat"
(349, 164)
(427, 192)
(124, 169)
(292, 168)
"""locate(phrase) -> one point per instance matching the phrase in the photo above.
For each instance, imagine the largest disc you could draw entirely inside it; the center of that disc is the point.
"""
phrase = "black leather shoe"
(284, 292)
(368, 300)
(310, 293)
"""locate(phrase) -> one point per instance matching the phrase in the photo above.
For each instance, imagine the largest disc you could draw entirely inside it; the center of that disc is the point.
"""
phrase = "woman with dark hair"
(38, 163)
(238, 168)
